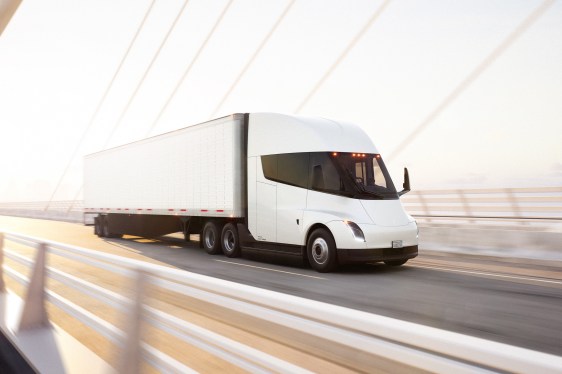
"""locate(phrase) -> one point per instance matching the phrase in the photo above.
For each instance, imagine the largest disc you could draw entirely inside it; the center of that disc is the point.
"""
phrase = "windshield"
(367, 172)
(356, 175)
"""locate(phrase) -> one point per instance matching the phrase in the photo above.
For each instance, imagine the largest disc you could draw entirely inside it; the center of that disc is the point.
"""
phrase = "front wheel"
(230, 241)
(211, 238)
(321, 251)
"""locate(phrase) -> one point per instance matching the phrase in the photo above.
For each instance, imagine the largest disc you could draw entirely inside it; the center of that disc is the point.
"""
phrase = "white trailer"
(307, 187)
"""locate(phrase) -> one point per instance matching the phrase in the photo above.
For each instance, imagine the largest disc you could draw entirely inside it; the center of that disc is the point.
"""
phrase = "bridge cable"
(252, 59)
(137, 89)
(101, 102)
(145, 74)
(344, 54)
(188, 69)
(473, 75)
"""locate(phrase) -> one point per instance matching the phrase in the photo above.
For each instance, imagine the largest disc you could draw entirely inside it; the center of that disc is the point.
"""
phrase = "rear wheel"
(211, 238)
(395, 262)
(230, 241)
(106, 232)
(321, 250)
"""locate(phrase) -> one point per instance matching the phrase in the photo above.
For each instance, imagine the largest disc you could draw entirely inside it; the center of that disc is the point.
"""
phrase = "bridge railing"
(63, 210)
(355, 340)
(497, 206)
(541, 205)
(492, 206)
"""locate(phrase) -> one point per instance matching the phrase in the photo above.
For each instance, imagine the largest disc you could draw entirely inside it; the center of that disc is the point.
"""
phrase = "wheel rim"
(320, 251)
(209, 238)
(229, 241)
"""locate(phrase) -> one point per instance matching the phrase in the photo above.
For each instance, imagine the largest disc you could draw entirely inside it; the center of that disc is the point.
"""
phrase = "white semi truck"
(307, 187)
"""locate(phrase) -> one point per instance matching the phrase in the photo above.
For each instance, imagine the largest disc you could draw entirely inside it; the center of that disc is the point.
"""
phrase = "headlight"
(356, 230)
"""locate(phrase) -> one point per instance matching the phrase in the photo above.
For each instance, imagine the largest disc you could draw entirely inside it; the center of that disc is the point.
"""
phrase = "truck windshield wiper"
(362, 188)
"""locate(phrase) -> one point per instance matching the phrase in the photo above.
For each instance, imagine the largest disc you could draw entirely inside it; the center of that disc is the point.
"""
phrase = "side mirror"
(406, 184)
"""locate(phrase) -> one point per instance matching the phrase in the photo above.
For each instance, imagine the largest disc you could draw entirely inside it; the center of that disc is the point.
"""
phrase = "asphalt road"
(506, 300)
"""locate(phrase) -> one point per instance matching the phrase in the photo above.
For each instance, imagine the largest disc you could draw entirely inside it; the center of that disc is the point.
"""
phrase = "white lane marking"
(279, 271)
(488, 274)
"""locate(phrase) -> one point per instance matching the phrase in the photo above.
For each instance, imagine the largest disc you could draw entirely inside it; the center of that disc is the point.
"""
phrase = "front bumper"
(354, 256)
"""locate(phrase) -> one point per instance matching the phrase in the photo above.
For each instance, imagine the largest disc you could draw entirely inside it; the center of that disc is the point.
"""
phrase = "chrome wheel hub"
(229, 241)
(210, 239)
(320, 251)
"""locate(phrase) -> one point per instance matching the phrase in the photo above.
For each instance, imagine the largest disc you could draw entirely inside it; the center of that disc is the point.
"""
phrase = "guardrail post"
(132, 351)
(2, 284)
(425, 207)
(34, 314)
(515, 210)
(465, 205)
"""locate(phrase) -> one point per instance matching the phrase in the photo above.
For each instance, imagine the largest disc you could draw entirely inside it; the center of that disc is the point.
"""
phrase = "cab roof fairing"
(271, 133)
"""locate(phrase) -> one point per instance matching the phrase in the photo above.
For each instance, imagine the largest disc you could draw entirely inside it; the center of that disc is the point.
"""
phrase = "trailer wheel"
(106, 233)
(211, 238)
(230, 241)
(321, 251)
(97, 226)
(395, 262)
(105, 229)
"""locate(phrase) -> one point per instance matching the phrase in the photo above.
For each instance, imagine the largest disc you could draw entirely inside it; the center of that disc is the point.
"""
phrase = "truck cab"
(320, 189)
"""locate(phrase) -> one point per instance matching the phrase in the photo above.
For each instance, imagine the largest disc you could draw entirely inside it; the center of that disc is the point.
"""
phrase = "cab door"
(292, 176)
(280, 199)
(262, 202)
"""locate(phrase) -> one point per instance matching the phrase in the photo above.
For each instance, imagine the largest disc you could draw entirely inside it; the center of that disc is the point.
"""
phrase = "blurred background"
(465, 94)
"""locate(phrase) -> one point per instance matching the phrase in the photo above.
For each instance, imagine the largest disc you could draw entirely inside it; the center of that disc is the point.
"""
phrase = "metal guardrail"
(499, 204)
(357, 340)
(64, 210)
(66, 206)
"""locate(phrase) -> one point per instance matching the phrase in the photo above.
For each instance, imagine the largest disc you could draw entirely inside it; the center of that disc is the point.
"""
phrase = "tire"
(229, 241)
(210, 238)
(321, 251)
(104, 229)
(395, 262)
(97, 226)
(106, 233)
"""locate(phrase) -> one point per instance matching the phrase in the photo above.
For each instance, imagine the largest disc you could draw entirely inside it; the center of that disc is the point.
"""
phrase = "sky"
(57, 59)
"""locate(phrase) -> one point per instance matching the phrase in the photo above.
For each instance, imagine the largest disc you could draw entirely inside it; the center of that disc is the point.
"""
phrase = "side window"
(269, 167)
(293, 169)
(287, 168)
(380, 180)
(323, 174)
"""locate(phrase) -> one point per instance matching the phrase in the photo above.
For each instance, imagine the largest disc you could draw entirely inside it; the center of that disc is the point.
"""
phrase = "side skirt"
(248, 243)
